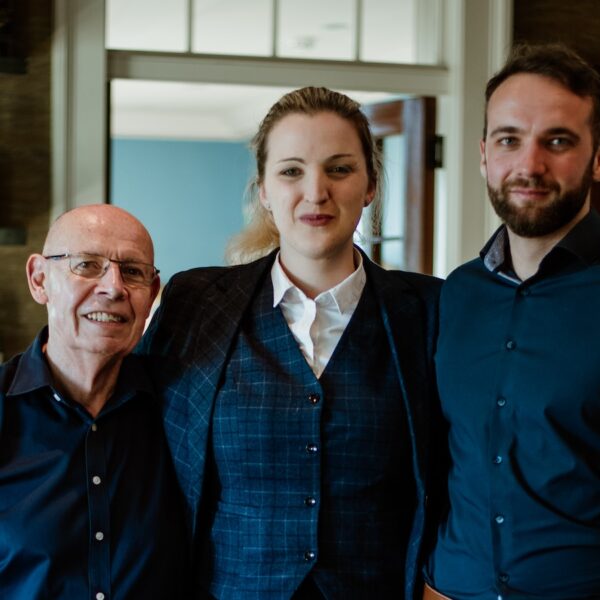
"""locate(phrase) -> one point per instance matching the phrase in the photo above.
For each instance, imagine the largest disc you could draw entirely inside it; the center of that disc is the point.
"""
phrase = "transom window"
(388, 31)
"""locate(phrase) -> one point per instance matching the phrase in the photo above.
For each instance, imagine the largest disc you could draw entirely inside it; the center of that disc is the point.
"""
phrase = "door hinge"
(437, 152)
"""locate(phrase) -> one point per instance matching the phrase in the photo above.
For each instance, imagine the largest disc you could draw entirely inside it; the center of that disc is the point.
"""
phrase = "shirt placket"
(501, 435)
(99, 514)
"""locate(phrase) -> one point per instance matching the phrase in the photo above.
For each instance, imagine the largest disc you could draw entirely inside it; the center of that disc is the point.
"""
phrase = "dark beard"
(538, 221)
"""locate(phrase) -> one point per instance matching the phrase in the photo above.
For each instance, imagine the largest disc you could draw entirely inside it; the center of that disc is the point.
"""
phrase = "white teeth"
(104, 317)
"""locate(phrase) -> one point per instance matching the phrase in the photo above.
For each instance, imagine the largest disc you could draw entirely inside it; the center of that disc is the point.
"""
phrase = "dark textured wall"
(24, 173)
(575, 23)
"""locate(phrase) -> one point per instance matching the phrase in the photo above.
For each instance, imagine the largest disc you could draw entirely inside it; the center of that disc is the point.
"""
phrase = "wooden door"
(414, 120)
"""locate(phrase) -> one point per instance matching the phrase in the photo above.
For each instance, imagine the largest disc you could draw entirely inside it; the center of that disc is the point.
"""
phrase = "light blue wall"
(188, 194)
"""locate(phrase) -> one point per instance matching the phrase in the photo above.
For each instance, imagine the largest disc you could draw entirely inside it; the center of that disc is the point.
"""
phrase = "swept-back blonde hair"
(261, 236)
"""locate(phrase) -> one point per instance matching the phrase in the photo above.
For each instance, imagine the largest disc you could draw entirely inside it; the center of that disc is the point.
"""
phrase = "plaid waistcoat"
(308, 477)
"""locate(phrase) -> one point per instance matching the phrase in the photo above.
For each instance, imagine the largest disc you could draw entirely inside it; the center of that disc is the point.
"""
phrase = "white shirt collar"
(344, 295)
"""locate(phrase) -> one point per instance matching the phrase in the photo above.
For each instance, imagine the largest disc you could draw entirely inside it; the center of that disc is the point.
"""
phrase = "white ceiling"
(185, 111)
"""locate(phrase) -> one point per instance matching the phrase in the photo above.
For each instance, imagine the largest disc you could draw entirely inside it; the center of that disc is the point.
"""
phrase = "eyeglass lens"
(93, 267)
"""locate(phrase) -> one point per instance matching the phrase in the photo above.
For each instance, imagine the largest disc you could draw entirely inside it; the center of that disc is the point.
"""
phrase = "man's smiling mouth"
(103, 317)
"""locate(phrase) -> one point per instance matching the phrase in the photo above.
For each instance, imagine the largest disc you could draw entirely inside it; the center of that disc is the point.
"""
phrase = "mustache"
(532, 183)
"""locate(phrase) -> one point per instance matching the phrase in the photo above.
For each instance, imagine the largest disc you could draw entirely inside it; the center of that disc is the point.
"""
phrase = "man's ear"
(482, 162)
(36, 278)
(596, 166)
(155, 288)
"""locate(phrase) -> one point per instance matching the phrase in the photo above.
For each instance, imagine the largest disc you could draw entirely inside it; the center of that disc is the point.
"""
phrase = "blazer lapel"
(404, 322)
(190, 340)
(223, 306)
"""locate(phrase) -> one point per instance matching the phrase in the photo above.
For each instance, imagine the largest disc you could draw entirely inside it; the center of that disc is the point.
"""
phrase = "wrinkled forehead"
(113, 235)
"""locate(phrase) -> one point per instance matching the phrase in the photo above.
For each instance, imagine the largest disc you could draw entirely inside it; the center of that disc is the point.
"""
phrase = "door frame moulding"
(278, 72)
(78, 105)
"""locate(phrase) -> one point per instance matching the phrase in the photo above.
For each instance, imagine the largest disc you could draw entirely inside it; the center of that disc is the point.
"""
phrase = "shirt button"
(309, 555)
(310, 501)
(497, 460)
(499, 519)
(99, 536)
(312, 448)
(525, 292)
(96, 480)
(57, 397)
(314, 398)
(99, 596)
(503, 577)
(94, 427)
(511, 345)
(501, 401)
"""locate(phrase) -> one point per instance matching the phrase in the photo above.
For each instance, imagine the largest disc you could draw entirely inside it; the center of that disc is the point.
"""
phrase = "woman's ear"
(262, 197)
(370, 194)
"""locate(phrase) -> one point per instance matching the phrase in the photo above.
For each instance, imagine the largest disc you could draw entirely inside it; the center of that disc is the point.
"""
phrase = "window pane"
(394, 202)
(323, 29)
(232, 27)
(147, 25)
(400, 31)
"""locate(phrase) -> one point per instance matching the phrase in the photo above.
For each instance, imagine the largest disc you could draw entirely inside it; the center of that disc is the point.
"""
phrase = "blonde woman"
(298, 386)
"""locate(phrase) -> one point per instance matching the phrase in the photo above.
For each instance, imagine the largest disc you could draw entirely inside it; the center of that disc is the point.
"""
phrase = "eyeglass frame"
(110, 260)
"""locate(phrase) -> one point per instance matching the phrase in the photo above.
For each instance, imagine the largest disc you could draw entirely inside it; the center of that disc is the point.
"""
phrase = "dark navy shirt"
(518, 368)
(89, 508)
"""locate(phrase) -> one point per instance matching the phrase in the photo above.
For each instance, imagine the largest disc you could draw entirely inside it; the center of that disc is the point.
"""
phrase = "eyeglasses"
(94, 266)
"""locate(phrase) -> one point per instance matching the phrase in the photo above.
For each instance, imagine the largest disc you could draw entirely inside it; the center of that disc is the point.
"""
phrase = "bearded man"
(518, 359)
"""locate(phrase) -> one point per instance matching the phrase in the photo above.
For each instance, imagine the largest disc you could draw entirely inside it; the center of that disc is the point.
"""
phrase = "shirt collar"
(345, 294)
(495, 251)
(581, 242)
(33, 373)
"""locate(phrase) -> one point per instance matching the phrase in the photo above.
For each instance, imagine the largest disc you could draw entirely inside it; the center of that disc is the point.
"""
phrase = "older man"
(518, 360)
(89, 506)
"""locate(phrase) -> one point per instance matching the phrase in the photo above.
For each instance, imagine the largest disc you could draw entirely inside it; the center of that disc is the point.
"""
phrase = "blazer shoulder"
(201, 278)
(194, 299)
(425, 287)
(427, 284)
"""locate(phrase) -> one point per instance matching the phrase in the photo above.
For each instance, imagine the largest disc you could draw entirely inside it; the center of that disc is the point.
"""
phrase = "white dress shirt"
(317, 325)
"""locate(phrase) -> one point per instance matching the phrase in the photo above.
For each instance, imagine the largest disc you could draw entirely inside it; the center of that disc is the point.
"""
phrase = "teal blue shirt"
(518, 368)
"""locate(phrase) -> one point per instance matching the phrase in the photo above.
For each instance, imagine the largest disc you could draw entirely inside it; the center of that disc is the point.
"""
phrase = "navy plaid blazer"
(190, 338)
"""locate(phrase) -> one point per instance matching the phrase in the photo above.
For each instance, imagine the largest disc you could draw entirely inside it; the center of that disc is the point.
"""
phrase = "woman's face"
(315, 185)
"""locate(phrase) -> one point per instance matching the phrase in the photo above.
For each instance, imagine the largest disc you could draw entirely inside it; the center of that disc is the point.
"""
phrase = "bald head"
(80, 229)
(93, 316)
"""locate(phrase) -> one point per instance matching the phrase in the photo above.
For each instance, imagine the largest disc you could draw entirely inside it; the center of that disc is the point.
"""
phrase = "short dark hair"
(557, 62)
